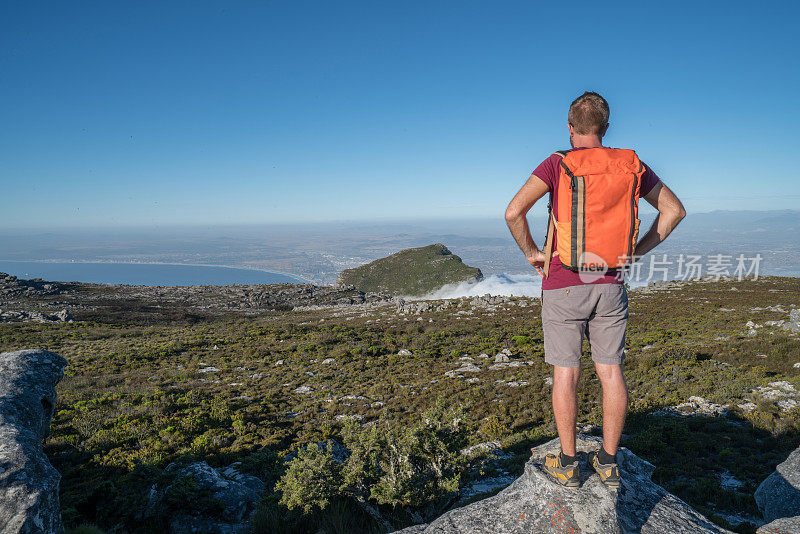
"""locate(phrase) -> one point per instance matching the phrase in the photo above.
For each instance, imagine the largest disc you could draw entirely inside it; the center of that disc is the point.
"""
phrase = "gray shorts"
(597, 311)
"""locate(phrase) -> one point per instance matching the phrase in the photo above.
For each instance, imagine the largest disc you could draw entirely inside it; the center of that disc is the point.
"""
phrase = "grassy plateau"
(165, 382)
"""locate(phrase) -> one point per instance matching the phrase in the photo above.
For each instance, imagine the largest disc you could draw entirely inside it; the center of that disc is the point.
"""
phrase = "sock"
(566, 460)
(604, 458)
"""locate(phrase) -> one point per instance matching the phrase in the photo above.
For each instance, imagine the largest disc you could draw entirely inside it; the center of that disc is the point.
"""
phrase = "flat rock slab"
(536, 503)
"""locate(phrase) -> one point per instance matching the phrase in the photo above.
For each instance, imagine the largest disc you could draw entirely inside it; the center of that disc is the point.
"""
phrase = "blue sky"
(115, 114)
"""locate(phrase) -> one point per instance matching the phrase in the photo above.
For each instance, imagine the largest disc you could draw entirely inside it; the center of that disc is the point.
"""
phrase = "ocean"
(143, 274)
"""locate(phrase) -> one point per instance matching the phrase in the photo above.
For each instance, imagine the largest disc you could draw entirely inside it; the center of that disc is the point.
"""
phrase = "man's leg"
(565, 405)
(615, 404)
(607, 329)
(565, 312)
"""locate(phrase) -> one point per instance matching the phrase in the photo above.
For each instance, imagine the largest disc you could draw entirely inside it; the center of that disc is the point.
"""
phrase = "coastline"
(300, 279)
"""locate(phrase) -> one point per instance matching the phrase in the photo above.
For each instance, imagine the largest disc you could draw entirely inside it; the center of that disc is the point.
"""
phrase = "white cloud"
(512, 285)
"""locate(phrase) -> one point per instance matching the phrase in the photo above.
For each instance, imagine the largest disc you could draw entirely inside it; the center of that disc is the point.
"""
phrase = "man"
(578, 304)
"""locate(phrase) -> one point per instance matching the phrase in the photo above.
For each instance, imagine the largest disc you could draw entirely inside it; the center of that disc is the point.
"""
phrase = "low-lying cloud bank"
(511, 285)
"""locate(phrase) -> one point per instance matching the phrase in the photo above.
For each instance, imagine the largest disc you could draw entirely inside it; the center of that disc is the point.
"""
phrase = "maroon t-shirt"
(559, 277)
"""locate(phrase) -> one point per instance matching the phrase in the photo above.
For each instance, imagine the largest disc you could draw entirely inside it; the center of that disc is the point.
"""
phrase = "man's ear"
(571, 132)
(605, 129)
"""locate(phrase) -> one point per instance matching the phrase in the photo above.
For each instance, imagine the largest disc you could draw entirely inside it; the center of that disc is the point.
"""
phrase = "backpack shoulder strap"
(548, 242)
(563, 154)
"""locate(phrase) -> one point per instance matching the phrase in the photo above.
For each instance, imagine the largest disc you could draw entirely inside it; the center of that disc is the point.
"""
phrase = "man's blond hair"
(588, 114)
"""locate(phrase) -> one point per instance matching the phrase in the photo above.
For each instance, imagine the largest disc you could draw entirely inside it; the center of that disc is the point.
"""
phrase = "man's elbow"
(674, 216)
(680, 213)
(673, 211)
(512, 213)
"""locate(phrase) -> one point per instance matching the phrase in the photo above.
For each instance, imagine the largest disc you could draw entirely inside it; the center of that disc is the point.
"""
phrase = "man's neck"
(586, 141)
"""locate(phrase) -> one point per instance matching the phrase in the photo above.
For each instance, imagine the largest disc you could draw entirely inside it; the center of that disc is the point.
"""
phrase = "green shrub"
(390, 464)
(521, 340)
(367, 448)
(424, 463)
(493, 428)
(311, 480)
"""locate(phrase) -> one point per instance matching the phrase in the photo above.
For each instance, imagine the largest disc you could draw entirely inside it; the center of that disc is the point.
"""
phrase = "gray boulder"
(536, 503)
(779, 495)
(63, 316)
(7, 316)
(237, 495)
(28, 483)
(793, 324)
(785, 525)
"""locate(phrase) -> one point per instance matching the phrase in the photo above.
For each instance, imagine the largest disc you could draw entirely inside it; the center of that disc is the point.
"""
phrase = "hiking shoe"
(567, 475)
(609, 473)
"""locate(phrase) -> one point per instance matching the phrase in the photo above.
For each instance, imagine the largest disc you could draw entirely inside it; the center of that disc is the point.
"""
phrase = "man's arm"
(670, 213)
(516, 212)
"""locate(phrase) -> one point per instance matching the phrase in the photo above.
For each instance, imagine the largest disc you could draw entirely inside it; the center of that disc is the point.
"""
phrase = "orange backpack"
(598, 195)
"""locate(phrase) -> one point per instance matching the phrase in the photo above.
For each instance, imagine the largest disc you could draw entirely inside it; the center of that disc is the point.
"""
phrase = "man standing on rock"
(594, 192)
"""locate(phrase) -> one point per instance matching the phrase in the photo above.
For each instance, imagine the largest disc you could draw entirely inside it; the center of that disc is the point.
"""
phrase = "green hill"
(414, 272)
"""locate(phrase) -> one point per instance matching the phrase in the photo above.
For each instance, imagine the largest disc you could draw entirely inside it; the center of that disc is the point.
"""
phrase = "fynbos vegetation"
(357, 418)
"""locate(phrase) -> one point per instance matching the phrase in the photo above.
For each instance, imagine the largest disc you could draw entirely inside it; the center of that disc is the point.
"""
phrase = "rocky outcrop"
(13, 286)
(40, 301)
(28, 483)
(234, 493)
(792, 324)
(7, 316)
(779, 495)
(299, 296)
(535, 503)
(660, 285)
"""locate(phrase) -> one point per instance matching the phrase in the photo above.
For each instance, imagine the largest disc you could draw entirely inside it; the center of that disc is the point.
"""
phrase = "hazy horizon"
(319, 251)
(537, 213)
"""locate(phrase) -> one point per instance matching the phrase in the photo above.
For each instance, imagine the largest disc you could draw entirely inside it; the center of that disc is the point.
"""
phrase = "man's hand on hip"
(533, 190)
(537, 260)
